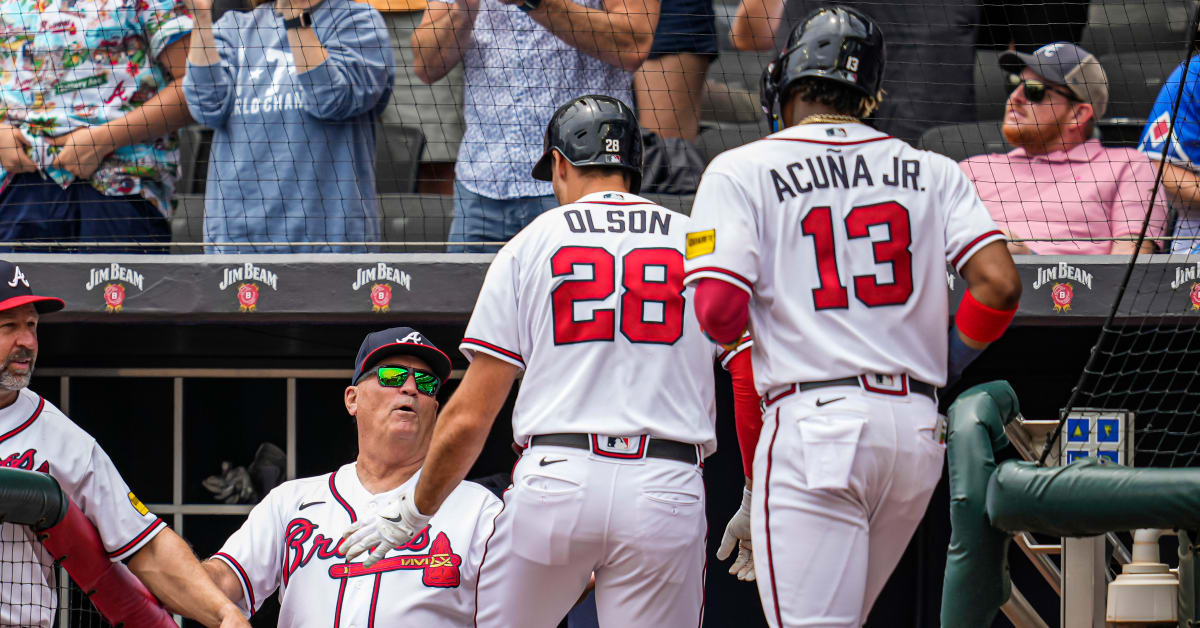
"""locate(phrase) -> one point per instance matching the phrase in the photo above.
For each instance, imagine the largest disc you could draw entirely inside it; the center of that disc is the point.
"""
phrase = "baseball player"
(290, 541)
(615, 410)
(36, 436)
(832, 239)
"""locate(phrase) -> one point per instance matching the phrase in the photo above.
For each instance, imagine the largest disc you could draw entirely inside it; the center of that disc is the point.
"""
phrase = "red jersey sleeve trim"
(715, 272)
(491, 348)
(146, 534)
(241, 573)
(962, 255)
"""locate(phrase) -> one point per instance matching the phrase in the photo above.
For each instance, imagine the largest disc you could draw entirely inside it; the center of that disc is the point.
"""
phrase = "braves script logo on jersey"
(1062, 293)
(26, 461)
(439, 566)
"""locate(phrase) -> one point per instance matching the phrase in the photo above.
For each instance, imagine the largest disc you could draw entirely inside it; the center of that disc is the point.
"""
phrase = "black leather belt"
(655, 448)
(908, 386)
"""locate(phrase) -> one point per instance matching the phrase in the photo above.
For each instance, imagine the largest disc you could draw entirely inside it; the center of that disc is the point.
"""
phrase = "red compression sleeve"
(980, 322)
(722, 309)
(747, 413)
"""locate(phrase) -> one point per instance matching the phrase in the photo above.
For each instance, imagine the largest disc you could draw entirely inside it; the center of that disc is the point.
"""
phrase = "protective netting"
(1145, 360)
(328, 134)
(34, 592)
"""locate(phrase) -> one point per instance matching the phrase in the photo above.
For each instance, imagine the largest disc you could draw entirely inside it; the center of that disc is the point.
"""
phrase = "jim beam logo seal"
(381, 277)
(112, 280)
(248, 277)
(1062, 279)
(1188, 277)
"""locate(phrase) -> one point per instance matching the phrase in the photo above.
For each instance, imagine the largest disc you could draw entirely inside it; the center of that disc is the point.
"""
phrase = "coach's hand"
(396, 524)
(737, 532)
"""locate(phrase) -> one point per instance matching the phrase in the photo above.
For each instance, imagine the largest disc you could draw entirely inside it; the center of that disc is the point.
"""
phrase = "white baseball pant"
(839, 489)
(638, 524)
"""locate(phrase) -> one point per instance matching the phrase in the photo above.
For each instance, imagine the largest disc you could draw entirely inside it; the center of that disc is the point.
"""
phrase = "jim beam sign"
(1062, 279)
(1188, 278)
(112, 280)
(248, 277)
(380, 278)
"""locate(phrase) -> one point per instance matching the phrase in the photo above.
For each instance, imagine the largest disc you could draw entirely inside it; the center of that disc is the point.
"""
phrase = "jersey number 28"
(831, 294)
(651, 295)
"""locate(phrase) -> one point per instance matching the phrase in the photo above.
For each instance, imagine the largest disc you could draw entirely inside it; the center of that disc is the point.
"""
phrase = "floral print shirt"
(66, 64)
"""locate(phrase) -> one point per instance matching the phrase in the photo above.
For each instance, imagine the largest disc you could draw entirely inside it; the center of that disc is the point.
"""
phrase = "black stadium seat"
(1132, 25)
(398, 156)
(416, 218)
(959, 141)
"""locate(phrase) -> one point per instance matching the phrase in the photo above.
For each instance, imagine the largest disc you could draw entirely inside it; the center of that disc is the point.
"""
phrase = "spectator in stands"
(91, 99)
(930, 47)
(292, 91)
(1060, 187)
(1181, 171)
(522, 59)
(38, 437)
(668, 85)
(436, 109)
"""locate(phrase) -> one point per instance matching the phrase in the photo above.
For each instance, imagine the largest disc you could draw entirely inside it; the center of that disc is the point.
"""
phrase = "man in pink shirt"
(1060, 189)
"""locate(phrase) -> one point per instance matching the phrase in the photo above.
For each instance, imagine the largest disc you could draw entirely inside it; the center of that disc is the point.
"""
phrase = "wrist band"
(980, 322)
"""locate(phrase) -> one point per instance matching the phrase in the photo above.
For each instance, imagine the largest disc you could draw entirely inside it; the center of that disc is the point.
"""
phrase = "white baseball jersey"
(589, 300)
(36, 436)
(289, 543)
(841, 234)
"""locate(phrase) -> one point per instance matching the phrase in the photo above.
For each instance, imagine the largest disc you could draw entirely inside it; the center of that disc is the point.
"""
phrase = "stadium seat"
(1132, 25)
(1134, 79)
(398, 155)
(959, 141)
(715, 139)
(187, 222)
(195, 142)
(416, 218)
(675, 202)
(991, 86)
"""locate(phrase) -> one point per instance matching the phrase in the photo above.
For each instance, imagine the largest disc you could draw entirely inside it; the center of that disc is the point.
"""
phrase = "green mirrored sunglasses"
(396, 376)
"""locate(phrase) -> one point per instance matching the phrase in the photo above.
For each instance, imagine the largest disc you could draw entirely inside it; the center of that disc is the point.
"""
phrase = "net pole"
(1112, 312)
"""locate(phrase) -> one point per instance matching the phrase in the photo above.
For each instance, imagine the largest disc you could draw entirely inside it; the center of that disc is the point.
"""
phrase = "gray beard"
(10, 381)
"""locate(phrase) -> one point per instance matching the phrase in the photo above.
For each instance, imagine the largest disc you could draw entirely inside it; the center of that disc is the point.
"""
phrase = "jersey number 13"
(831, 294)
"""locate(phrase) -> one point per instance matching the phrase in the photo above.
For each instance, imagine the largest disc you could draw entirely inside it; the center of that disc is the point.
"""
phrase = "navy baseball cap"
(15, 291)
(1068, 65)
(399, 341)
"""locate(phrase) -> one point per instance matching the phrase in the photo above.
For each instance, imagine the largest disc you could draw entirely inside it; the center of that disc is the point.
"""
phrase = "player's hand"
(737, 532)
(396, 524)
(14, 150)
(234, 620)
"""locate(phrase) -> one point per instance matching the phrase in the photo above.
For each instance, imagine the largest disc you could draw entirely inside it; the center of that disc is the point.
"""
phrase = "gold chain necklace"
(828, 118)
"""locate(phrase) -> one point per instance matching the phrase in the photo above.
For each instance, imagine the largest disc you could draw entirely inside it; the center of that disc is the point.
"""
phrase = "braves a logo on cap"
(18, 277)
(1049, 50)
(413, 337)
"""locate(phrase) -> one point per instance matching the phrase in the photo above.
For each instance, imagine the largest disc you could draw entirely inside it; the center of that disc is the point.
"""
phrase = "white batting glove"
(394, 525)
(737, 532)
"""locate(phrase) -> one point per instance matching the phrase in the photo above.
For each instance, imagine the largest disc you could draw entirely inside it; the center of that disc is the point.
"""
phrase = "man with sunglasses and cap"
(290, 542)
(36, 436)
(1060, 190)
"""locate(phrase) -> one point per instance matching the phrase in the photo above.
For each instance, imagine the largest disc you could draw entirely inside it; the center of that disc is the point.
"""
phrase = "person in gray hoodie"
(291, 90)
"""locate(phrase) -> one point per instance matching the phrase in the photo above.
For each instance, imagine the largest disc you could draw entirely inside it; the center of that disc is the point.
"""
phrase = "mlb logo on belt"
(627, 447)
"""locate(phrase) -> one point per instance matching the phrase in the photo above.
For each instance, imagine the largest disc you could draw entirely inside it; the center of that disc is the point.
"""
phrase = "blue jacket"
(293, 155)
